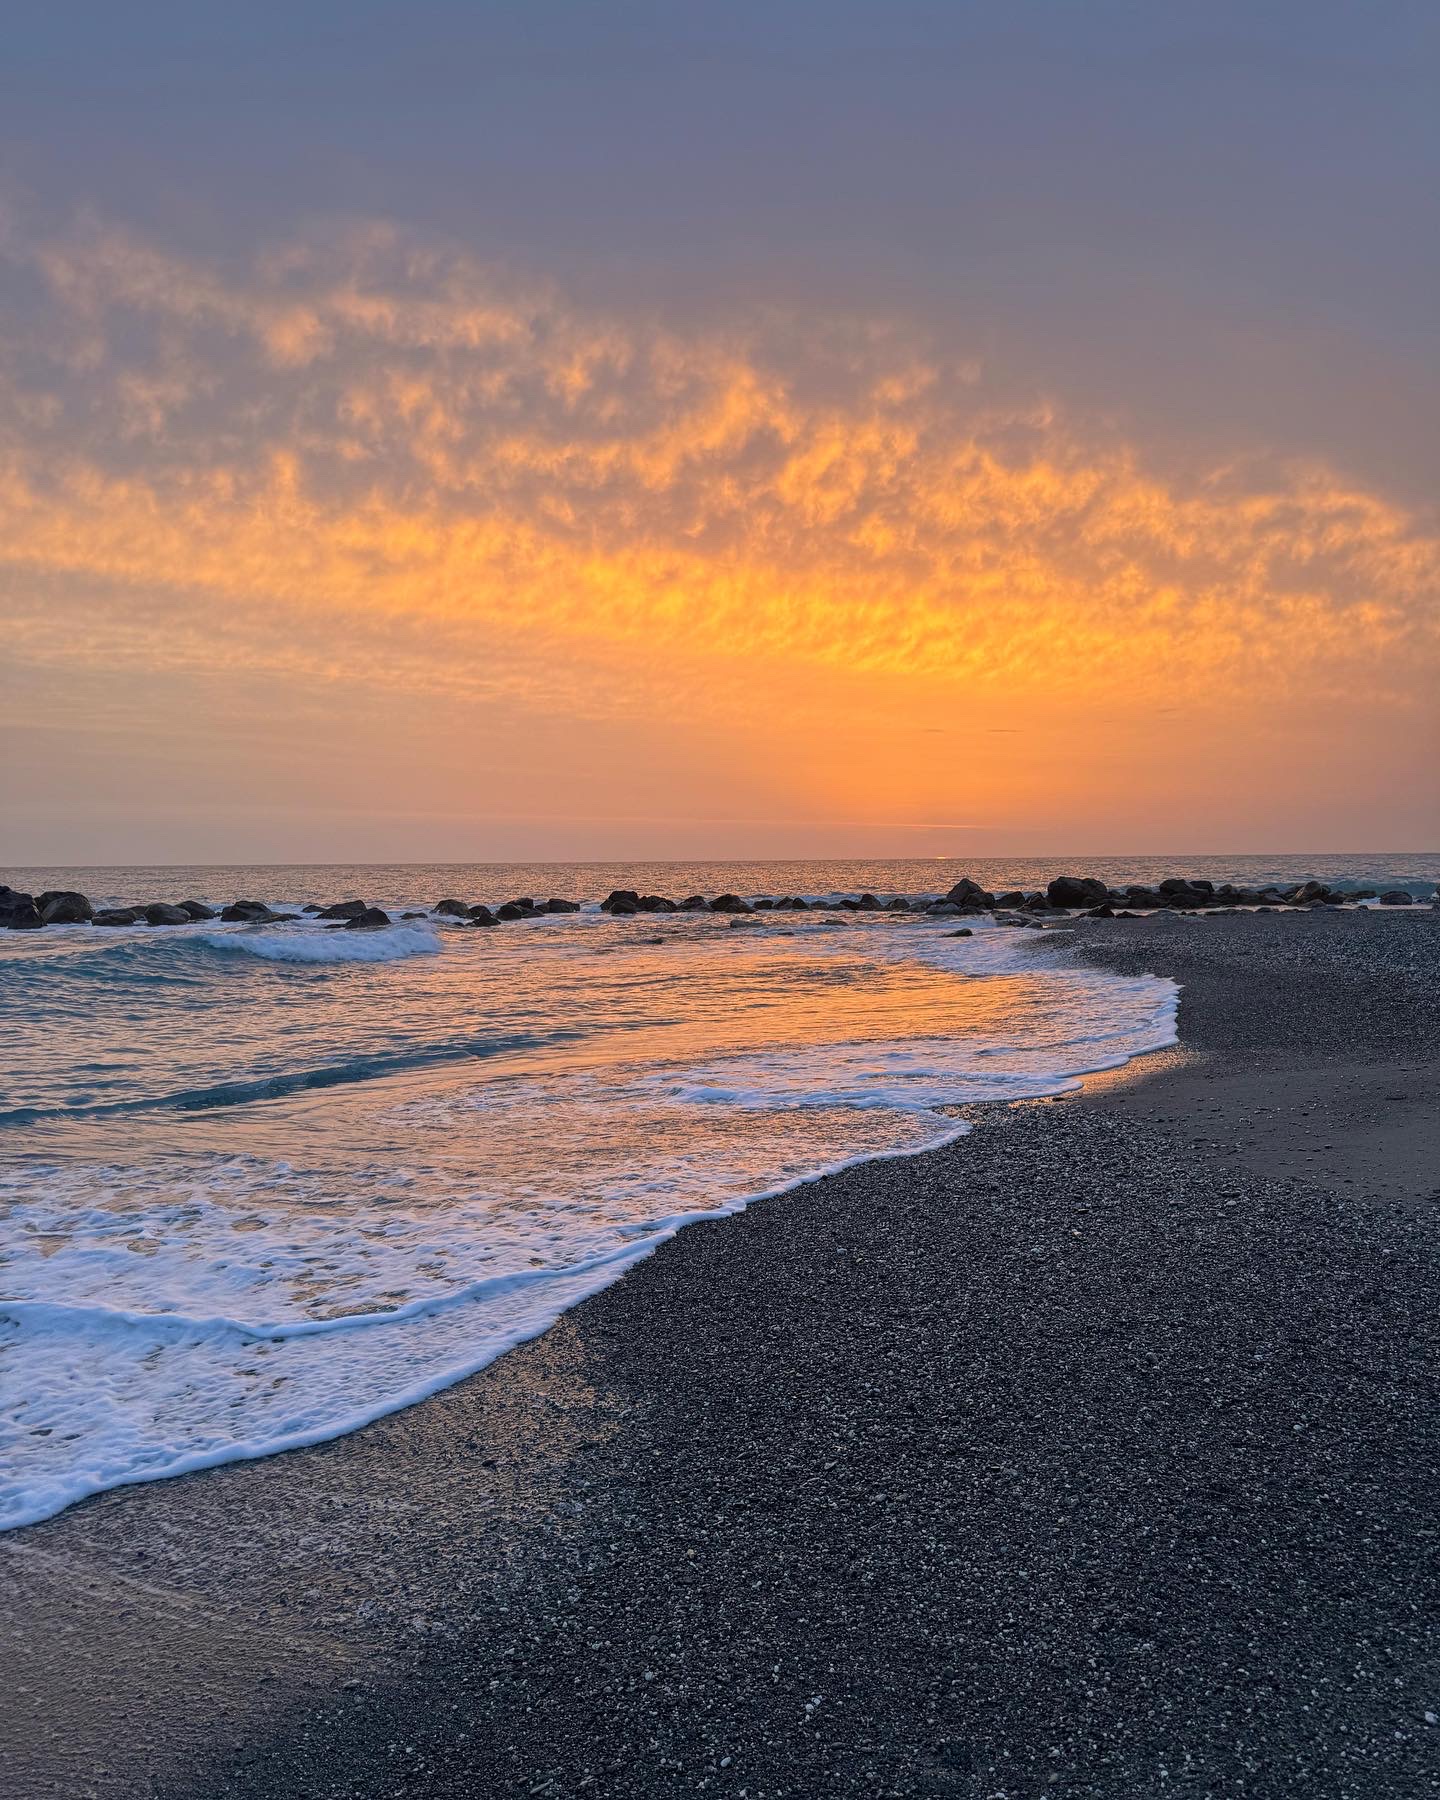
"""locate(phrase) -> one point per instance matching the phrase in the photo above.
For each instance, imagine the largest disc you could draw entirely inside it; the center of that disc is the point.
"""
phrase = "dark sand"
(1092, 1456)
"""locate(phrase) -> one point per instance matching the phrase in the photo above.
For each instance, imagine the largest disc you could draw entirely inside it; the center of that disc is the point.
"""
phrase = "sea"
(261, 1185)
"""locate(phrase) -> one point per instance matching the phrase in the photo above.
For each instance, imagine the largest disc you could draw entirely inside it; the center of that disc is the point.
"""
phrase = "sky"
(487, 432)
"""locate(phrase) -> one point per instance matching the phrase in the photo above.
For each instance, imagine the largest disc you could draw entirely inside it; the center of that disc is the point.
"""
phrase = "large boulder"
(197, 909)
(1076, 890)
(552, 905)
(657, 903)
(510, 910)
(162, 913)
(60, 907)
(1397, 897)
(695, 903)
(344, 909)
(118, 915)
(18, 912)
(970, 893)
(482, 915)
(451, 909)
(247, 912)
(729, 903)
(621, 900)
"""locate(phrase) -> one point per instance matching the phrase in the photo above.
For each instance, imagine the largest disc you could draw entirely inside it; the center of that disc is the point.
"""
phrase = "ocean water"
(260, 1185)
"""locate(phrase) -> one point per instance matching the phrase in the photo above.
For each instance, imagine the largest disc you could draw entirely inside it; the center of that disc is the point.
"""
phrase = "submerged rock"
(372, 919)
(117, 915)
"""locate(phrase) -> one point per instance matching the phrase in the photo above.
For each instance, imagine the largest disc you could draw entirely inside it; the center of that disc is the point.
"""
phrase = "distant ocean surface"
(260, 1185)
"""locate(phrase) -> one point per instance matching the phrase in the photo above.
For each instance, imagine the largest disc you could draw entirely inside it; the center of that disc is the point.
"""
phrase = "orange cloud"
(379, 462)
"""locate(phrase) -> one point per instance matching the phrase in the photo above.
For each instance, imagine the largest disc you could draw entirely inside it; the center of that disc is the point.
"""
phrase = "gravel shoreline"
(1094, 1455)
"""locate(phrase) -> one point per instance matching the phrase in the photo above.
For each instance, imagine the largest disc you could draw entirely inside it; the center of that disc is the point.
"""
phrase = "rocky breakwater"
(1064, 897)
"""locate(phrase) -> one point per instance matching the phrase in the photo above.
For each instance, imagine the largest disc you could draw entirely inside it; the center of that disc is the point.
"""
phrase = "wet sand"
(1093, 1455)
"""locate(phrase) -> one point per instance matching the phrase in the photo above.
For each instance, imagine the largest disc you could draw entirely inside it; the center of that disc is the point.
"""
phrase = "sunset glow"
(375, 511)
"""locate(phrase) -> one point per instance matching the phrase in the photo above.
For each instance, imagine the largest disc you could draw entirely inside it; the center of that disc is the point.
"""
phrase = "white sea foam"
(305, 1262)
(301, 944)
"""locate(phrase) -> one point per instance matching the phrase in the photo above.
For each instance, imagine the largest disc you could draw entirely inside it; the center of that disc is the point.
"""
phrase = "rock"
(696, 903)
(1076, 890)
(867, 903)
(943, 909)
(967, 892)
(249, 912)
(552, 905)
(898, 904)
(372, 919)
(162, 913)
(118, 915)
(511, 911)
(311, 907)
(728, 903)
(420, 915)
(59, 907)
(18, 912)
(197, 909)
(1105, 911)
(343, 909)
(482, 915)
(619, 899)
(1397, 897)
(1013, 898)
(964, 931)
(656, 903)
(447, 909)
(735, 922)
